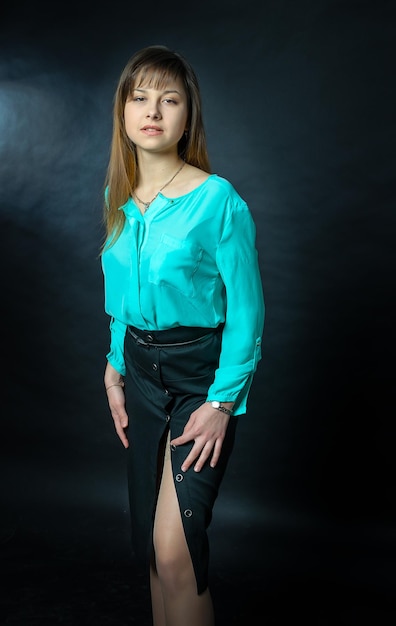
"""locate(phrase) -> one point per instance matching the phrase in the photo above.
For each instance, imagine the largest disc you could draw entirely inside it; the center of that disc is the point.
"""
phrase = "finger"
(122, 417)
(198, 453)
(121, 434)
(203, 456)
(120, 423)
(186, 435)
(184, 438)
(191, 457)
(216, 453)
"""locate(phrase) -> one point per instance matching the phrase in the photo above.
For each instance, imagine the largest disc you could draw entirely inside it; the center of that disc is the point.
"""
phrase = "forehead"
(158, 78)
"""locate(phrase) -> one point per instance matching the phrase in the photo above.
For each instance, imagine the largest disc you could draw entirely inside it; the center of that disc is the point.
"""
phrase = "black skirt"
(168, 374)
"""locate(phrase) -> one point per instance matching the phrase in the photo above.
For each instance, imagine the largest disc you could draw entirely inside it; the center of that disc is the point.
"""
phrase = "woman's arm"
(114, 385)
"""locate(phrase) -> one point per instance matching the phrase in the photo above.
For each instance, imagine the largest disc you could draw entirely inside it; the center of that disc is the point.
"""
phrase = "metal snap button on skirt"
(164, 384)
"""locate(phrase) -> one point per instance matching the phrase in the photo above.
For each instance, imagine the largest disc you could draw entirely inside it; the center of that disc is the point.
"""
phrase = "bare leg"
(157, 602)
(175, 601)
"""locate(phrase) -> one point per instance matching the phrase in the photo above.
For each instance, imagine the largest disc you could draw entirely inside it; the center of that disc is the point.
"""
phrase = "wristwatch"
(217, 405)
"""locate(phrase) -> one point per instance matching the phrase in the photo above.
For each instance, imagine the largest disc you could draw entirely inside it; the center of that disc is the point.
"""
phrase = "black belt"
(178, 336)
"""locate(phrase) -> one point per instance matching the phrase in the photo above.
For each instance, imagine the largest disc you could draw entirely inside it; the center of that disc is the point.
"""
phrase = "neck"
(154, 170)
(164, 174)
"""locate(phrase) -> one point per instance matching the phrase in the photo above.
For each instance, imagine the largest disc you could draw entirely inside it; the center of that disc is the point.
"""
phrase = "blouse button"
(173, 447)
(188, 513)
(168, 418)
(155, 367)
(179, 477)
(150, 337)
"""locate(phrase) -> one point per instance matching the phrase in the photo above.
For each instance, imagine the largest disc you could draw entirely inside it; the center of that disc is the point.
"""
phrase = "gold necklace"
(147, 204)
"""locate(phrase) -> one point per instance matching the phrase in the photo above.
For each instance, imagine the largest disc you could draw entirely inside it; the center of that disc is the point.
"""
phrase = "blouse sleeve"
(237, 260)
(116, 354)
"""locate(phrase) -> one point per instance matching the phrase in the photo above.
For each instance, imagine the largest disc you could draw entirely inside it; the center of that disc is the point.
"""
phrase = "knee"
(174, 570)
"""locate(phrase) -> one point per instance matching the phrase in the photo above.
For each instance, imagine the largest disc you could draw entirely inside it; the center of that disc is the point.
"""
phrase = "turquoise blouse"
(190, 261)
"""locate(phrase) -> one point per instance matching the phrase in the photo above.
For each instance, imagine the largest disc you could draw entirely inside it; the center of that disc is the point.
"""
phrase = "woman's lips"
(151, 130)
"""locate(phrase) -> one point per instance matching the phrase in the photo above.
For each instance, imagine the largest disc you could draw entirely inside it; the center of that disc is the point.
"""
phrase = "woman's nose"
(153, 111)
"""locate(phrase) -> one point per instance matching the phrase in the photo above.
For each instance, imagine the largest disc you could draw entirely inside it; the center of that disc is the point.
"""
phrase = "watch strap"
(219, 407)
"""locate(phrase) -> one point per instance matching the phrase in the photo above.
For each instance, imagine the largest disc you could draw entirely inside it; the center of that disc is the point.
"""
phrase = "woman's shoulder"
(223, 189)
(213, 182)
(194, 177)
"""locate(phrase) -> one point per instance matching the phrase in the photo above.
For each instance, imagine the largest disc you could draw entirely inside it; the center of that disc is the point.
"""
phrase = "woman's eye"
(170, 100)
(138, 99)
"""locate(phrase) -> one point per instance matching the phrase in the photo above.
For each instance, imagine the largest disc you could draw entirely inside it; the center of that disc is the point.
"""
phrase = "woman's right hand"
(114, 385)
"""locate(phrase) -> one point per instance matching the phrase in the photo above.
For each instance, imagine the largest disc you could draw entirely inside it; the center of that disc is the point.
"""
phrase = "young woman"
(184, 294)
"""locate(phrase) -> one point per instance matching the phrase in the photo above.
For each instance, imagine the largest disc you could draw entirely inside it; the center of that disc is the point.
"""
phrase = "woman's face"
(156, 118)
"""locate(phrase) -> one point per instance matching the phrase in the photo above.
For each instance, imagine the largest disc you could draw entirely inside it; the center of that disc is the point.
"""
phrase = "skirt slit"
(163, 385)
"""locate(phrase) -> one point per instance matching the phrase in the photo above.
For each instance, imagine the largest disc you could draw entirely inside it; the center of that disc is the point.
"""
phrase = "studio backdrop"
(298, 102)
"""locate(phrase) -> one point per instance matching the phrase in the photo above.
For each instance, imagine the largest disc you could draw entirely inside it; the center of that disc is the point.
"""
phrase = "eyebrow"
(164, 92)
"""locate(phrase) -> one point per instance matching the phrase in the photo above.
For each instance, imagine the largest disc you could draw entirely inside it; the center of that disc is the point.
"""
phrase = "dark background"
(300, 114)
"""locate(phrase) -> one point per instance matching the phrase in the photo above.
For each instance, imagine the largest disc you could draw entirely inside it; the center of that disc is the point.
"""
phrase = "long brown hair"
(158, 64)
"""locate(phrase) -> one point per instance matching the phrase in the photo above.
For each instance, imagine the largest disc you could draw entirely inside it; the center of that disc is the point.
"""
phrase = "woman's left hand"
(207, 427)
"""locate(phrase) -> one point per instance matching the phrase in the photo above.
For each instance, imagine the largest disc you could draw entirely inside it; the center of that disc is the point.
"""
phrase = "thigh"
(169, 538)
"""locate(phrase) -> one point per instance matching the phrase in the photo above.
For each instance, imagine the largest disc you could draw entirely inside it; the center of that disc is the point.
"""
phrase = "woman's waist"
(176, 335)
